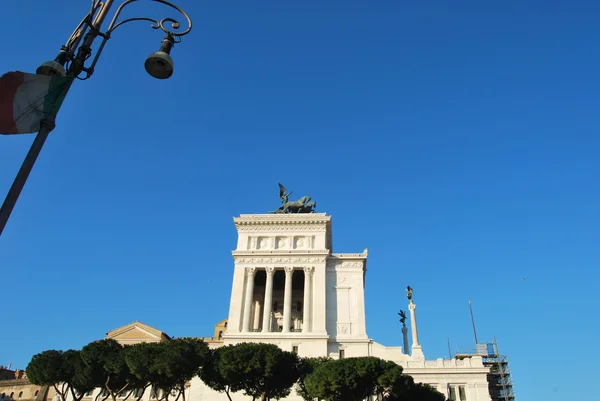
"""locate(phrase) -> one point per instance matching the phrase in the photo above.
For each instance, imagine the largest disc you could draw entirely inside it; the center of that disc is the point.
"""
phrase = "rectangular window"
(342, 353)
(453, 393)
(295, 349)
(462, 394)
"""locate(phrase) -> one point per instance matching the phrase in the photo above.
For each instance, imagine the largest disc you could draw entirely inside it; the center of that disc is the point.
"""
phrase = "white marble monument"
(290, 289)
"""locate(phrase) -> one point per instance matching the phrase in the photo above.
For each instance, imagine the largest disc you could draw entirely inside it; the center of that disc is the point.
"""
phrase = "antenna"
(473, 322)
(449, 351)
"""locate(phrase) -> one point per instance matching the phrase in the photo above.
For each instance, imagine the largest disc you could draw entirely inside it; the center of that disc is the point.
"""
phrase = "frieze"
(338, 265)
(279, 260)
(278, 228)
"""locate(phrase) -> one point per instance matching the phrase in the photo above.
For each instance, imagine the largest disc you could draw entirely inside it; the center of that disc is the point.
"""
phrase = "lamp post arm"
(156, 24)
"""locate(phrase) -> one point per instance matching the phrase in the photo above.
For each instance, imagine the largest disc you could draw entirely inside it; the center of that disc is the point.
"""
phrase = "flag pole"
(47, 126)
(159, 65)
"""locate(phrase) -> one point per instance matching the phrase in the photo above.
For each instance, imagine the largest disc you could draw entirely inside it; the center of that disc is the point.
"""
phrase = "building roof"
(137, 332)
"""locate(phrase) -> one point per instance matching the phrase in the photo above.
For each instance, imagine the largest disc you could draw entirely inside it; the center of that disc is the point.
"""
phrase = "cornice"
(281, 253)
(282, 219)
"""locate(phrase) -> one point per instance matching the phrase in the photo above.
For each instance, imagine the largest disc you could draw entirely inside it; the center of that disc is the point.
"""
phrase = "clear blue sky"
(458, 141)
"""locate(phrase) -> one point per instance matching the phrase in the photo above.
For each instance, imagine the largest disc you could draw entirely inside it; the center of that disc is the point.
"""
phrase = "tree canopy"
(356, 379)
(261, 371)
(65, 371)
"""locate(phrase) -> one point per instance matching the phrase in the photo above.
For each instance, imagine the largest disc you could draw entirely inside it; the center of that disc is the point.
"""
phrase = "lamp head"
(160, 64)
(52, 68)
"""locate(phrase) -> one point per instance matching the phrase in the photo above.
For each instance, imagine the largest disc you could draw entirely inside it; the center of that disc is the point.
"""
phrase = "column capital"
(309, 269)
(288, 270)
(250, 270)
(270, 270)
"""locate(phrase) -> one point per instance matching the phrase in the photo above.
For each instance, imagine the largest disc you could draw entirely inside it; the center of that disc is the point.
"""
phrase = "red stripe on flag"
(9, 83)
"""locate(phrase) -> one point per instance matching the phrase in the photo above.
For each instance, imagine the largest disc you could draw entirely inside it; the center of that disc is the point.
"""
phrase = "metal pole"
(473, 322)
(15, 190)
(47, 125)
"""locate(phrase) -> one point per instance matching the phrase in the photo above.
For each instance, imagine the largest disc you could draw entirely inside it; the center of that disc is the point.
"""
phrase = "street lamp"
(71, 62)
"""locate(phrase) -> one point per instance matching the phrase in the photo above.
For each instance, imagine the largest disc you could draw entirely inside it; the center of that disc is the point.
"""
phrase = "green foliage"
(350, 379)
(259, 370)
(167, 366)
(45, 369)
(211, 373)
(417, 392)
(307, 366)
(355, 379)
(178, 361)
(77, 374)
(65, 371)
(105, 360)
(141, 360)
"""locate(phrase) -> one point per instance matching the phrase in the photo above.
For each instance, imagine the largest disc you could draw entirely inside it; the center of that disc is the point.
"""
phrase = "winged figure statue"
(302, 205)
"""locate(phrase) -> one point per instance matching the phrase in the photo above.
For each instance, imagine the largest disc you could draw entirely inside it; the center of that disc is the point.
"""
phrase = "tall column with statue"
(416, 350)
(404, 331)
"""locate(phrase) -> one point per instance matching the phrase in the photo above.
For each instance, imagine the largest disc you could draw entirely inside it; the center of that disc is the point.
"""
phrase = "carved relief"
(270, 270)
(341, 279)
(339, 265)
(288, 269)
(280, 260)
(282, 243)
(264, 243)
(250, 271)
(343, 328)
(309, 270)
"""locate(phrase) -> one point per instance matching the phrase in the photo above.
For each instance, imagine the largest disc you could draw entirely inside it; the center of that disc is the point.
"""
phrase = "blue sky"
(458, 141)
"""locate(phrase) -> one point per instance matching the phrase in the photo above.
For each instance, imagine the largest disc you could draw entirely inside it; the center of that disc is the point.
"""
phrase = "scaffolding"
(499, 379)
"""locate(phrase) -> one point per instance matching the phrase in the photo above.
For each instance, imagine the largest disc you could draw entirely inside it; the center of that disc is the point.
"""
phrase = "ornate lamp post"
(71, 62)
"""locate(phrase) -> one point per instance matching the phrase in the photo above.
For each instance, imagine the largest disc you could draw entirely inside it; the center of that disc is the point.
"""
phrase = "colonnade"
(247, 322)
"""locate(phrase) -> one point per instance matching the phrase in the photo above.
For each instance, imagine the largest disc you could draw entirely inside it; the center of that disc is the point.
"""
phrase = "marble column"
(287, 300)
(307, 307)
(256, 324)
(266, 326)
(413, 325)
(416, 351)
(248, 300)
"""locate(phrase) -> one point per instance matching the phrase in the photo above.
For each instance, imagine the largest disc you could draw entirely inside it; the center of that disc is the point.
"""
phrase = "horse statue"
(302, 205)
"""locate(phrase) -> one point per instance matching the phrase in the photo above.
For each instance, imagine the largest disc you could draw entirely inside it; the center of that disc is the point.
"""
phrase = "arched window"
(12, 395)
(36, 393)
(220, 335)
(20, 395)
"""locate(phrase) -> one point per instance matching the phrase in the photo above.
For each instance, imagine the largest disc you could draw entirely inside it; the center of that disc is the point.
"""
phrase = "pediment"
(136, 332)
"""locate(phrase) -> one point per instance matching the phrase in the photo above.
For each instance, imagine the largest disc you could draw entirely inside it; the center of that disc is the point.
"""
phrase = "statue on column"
(409, 294)
(402, 317)
(404, 330)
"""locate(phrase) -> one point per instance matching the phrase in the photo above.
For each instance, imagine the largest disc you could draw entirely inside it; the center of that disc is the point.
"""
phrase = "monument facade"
(291, 289)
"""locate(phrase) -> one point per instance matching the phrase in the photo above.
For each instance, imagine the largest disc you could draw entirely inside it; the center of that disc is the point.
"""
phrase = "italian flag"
(27, 99)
